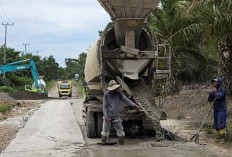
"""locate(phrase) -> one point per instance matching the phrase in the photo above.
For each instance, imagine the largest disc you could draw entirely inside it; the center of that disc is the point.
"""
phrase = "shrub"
(5, 108)
(21, 81)
(7, 89)
(4, 81)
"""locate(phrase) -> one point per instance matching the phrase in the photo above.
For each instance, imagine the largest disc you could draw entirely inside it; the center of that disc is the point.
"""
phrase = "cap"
(214, 80)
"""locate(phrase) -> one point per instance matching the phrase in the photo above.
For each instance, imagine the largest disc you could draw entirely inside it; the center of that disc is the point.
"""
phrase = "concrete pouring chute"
(118, 9)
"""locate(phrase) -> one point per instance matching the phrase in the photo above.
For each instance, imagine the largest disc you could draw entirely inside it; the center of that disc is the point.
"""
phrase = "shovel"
(195, 137)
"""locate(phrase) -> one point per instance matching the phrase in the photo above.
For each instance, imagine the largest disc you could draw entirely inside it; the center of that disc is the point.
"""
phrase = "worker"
(111, 108)
(220, 110)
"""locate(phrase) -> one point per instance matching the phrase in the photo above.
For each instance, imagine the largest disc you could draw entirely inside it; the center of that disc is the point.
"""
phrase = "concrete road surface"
(140, 147)
(51, 131)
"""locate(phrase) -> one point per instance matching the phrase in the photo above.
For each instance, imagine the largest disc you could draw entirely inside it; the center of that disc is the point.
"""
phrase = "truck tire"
(70, 95)
(90, 124)
(99, 123)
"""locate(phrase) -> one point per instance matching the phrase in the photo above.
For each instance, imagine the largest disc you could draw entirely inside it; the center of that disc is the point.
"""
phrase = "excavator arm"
(15, 66)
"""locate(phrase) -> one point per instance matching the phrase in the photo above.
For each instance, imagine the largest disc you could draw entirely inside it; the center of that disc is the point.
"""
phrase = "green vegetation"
(50, 84)
(78, 85)
(7, 89)
(200, 35)
(48, 68)
(4, 108)
(75, 66)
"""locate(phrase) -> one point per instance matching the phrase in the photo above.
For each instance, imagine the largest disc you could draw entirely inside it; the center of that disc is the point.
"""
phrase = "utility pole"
(26, 47)
(4, 59)
(37, 52)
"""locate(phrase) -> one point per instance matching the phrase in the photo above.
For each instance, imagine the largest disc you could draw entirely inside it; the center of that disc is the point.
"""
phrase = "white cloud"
(62, 28)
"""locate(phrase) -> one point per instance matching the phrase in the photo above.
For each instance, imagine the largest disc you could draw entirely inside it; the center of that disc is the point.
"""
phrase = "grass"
(7, 89)
(78, 85)
(50, 84)
(4, 108)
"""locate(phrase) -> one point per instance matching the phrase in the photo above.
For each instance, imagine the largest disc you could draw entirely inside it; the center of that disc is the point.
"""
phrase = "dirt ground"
(186, 111)
(54, 93)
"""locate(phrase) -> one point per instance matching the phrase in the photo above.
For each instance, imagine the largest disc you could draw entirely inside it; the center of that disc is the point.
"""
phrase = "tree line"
(200, 34)
(48, 68)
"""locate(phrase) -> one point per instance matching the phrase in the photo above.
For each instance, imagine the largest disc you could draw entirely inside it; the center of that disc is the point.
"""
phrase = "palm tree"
(182, 32)
(215, 17)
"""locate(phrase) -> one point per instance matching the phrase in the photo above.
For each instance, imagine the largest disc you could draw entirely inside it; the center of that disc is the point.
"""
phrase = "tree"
(71, 67)
(215, 16)
(183, 33)
(76, 66)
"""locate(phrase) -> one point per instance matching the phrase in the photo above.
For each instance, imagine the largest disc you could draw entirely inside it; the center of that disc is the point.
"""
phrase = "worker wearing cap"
(111, 108)
(219, 95)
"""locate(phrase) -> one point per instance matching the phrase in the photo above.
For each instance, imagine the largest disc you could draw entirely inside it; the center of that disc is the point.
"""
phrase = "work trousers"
(117, 123)
(219, 120)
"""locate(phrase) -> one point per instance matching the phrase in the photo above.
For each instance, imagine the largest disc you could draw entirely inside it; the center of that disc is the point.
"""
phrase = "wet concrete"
(140, 147)
(162, 150)
(51, 131)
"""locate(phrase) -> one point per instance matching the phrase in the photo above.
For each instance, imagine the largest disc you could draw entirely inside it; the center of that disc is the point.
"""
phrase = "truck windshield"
(64, 86)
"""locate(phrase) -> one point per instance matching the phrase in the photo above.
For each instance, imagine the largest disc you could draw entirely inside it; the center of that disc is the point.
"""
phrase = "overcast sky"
(62, 28)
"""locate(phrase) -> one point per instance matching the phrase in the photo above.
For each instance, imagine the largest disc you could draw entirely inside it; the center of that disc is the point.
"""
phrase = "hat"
(113, 85)
(214, 80)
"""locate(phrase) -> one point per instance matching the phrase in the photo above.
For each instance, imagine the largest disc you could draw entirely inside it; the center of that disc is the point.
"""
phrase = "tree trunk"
(225, 63)
(175, 83)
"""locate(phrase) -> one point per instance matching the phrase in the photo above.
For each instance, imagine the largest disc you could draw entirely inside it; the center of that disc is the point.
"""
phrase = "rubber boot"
(223, 138)
(222, 133)
(103, 140)
(121, 140)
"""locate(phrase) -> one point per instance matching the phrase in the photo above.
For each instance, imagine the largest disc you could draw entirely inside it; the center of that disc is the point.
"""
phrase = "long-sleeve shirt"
(220, 102)
(220, 96)
(111, 104)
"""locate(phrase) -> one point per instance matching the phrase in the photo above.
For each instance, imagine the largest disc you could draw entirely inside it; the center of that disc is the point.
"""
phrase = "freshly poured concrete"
(51, 131)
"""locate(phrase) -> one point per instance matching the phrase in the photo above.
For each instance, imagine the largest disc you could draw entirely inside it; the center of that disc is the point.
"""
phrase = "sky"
(62, 28)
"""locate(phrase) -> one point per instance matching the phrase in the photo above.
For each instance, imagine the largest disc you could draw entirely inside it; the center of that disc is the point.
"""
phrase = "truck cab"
(65, 88)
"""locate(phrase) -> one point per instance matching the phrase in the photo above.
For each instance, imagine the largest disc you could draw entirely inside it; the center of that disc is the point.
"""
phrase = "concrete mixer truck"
(126, 52)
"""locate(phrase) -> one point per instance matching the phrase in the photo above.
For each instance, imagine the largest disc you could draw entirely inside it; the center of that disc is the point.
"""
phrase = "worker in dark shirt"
(111, 109)
(220, 110)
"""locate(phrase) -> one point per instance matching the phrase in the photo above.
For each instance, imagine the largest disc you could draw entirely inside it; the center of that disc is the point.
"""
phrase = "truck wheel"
(60, 95)
(70, 95)
(99, 124)
(90, 124)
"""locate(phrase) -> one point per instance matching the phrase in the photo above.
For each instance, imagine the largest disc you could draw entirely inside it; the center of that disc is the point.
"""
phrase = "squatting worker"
(219, 107)
(111, 108)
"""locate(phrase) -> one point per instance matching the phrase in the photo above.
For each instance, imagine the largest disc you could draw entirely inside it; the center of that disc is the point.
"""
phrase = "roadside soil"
(185, 113)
